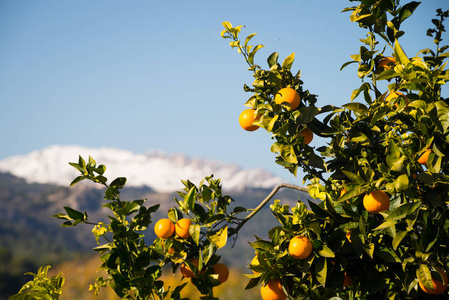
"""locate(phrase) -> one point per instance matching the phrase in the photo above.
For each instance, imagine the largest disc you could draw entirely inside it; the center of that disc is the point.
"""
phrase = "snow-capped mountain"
(157, 170)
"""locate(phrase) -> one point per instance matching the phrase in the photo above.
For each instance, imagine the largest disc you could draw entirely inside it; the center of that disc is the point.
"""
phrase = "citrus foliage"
(373, 151)
(187, 239)
(41, 287)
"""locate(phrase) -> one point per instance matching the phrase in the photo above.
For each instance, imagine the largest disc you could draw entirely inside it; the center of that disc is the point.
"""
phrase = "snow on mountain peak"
(161, 172)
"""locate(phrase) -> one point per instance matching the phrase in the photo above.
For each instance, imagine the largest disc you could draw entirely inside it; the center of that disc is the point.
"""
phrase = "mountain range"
(154, 169)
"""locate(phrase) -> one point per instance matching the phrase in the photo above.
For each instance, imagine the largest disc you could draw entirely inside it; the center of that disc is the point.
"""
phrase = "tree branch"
(266, 200)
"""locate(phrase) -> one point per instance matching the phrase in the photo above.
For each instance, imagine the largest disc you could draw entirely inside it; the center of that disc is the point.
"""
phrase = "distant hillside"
(30, 237)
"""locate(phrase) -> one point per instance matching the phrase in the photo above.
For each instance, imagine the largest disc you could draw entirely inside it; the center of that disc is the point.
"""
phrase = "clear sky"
(142, 75)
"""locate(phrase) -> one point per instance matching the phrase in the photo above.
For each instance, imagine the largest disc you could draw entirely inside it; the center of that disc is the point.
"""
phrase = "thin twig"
(265, 201)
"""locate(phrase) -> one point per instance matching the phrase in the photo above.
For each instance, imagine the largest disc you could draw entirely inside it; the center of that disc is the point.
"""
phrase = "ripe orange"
(185, 269)
(424, 157)
(182, 228)
(164, 228)
(222, 271)
(394, 95)
(438, 286)
(386, 63)
(247, 118)
(376, 201)
(307, 135)
(288, 95)
(273, 290)
(300, 247)
(347, 281)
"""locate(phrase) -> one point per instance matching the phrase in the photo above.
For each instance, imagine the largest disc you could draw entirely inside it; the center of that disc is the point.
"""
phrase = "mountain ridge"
(155, 169)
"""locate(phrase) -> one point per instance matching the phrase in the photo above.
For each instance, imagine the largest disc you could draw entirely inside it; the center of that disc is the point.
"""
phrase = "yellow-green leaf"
(220, 238)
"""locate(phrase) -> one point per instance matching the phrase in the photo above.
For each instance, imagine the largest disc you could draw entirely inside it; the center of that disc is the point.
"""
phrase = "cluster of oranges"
(165, 228)
(285, 95)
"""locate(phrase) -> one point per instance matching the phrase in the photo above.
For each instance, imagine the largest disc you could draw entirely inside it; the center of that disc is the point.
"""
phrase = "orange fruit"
(438, 286)
(347, 281)
(182, 228)
(394, 95)
(247, 118)
(273, 290)
(185, 269)
(386, 63)
(288, 95)
(424, 157)
(307, 135)
(300, 247)
(164, 228)
(376, 201)
(222, 271)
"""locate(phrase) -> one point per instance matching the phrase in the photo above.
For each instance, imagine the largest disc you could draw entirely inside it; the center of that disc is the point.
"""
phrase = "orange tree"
(383, 176)
(381, 227)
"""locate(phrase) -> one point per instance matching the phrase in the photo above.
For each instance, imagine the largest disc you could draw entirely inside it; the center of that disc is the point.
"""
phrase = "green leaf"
(288, 154)
(443, 114)
(369, 249)
(227, 25)
(326, 252)
(399, 54)
(398, 238)
(253, 52)
(359, 137)
(388, 255)
(403, 211)
(407, 10)
(386, 224)
(189, 200)
(424, 276)
(321, 271)
(354, 192)
(401, 183)
(356, 107)
(273, 59)
(262, 245)
(219, 239)
(363, 87)
(308, 113)
(429, 237)
(118, 182)
(195, 231)
(253, 282)
(79, 168)
(74, 214)
(76, 180)
(353, 177)
(82, 162)
(346, 64)
(355, 17)
(288, 62)
(249, 37)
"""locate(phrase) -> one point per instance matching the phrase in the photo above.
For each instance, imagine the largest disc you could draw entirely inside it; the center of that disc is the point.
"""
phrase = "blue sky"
(142, 75)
